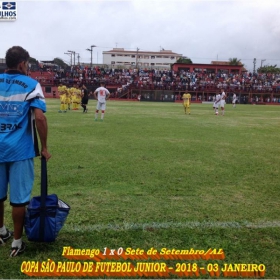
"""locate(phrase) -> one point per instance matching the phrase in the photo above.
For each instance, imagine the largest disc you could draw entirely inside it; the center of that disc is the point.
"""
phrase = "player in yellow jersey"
(62, 96)
(73, 97)
(187, 102)
(78, 96)
(68, 98)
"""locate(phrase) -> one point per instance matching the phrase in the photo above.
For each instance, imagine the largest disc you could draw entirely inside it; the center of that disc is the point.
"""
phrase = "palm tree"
(269, 69)
(234, 61)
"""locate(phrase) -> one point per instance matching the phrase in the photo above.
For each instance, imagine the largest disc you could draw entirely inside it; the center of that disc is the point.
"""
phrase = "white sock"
(102, 116)
(3, 230)
(96, 115)
(16, 243)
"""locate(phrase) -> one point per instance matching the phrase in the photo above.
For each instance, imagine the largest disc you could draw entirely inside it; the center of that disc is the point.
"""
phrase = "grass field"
(151, 176)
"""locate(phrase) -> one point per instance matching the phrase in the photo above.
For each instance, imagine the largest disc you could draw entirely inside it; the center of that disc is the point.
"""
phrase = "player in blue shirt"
(22, 107)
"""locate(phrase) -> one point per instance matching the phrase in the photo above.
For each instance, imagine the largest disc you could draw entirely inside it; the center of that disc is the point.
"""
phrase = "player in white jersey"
(234, 100)
(101, 94)
(223, 101)
(216, 103)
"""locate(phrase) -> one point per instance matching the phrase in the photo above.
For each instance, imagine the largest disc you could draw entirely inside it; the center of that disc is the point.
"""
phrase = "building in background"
(214, 67)
(142, 59)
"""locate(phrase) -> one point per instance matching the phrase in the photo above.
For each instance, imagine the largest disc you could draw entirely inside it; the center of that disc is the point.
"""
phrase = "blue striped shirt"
(19, 94)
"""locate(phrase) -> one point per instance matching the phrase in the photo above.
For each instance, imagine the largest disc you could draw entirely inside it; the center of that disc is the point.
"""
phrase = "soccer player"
(223, 101)
(101, 94)
(234, 100)
(84, 98)
(67, 98)
(62, 96)
(187, 102)
(73, 97)
(217, 103)
(76, 97)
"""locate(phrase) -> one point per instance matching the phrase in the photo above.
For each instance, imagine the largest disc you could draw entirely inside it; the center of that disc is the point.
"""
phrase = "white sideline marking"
(149, 226)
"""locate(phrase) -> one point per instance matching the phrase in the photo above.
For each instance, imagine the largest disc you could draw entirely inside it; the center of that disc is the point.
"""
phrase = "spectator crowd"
(154, 79)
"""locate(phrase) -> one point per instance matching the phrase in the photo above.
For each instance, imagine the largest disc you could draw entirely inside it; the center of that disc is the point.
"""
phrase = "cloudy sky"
(203, 30)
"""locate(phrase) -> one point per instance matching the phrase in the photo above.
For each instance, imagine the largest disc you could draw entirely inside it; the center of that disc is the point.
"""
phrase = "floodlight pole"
(262, 61)
(90, 50)
(70, 57)
(78, 55)
(74, 55)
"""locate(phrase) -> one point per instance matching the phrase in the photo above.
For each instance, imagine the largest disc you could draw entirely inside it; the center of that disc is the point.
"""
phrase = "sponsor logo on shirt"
(6, 127)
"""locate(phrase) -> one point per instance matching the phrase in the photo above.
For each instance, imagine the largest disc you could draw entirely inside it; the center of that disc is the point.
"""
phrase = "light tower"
(90, 50)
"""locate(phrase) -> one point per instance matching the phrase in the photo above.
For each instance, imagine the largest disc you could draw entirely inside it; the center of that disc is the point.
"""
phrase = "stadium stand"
(163, 85)
(167, 85)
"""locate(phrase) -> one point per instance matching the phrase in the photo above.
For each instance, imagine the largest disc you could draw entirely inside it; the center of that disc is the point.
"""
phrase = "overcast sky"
(203, 30)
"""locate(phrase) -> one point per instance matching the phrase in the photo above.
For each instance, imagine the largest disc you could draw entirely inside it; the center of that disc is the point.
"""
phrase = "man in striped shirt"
(22, 107)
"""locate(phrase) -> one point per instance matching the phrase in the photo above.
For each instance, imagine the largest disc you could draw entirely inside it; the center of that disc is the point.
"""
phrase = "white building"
(119, 56)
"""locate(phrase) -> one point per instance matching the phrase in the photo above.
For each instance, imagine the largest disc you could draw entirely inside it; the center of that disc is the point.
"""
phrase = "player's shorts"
(62, 99)
(19, 175)
(84, 100)
(187, 104)
(216, 105)
(223, 102)
(101, 106)
(233, 101)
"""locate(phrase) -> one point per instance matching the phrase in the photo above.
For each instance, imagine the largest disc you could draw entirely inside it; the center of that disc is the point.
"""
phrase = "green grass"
(151, 176)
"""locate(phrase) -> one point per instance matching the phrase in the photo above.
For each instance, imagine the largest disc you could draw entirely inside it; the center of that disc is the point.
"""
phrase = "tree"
(34, 64)
(269, 69)
(234, 61)
(60, 62)
(33, 61)
(184, 60)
